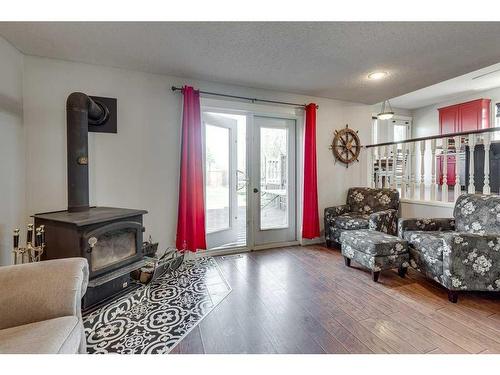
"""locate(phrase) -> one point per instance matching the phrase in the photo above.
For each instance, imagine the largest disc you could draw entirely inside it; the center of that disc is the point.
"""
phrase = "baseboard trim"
(314, 241)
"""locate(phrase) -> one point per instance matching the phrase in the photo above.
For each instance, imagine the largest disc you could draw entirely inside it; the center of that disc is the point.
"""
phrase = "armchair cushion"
(368, 200)
(351, 220)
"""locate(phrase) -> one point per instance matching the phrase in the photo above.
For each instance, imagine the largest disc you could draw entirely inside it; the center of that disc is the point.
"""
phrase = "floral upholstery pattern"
(351, 220)
(376, 209)
(461, 254)
(477, 213)
(384, 221)
(432, 244)
(425, 225)
(373, 242)
(375, 250)
(369, 200)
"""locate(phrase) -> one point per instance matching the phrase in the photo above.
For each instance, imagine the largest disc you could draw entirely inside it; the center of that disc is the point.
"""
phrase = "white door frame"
(222, 235)
(260, 234)
(250, 110)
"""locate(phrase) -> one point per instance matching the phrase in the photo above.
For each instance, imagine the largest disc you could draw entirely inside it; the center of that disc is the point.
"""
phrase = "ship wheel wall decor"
(346, 145)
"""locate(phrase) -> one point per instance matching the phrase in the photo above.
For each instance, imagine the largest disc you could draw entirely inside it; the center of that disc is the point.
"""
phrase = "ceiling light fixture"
(386, 113)
(375, 76)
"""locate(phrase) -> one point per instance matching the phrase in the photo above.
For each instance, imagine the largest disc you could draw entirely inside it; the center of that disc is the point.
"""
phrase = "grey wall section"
(12, 166)
(139, 166)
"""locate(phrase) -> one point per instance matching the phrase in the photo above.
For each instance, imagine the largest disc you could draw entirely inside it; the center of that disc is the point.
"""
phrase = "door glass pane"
(217, 178)
(273, 178)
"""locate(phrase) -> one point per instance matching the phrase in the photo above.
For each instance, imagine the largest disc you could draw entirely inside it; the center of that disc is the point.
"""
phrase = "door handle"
(255, 190)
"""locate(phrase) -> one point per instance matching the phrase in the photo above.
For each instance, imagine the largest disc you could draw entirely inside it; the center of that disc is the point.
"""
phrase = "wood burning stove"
(110, 238)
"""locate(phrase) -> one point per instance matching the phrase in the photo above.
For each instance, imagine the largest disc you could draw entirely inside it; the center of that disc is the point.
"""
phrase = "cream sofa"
(40, 307)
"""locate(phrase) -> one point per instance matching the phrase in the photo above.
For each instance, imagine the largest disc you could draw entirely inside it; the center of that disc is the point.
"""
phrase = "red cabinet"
(463, 117)
(450, 170)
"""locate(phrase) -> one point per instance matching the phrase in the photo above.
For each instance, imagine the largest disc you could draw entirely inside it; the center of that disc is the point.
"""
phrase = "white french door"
(273, 180)
(220, 161)
(250, 180)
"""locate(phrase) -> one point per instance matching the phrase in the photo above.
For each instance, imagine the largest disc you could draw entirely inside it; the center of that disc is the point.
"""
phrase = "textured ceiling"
(467, 85)
(322, 59)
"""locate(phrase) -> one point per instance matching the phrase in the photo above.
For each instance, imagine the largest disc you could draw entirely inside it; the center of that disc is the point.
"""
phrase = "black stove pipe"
(81, 111)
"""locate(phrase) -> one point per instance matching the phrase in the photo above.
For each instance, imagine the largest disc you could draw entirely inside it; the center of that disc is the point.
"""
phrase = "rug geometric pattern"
(155, 317)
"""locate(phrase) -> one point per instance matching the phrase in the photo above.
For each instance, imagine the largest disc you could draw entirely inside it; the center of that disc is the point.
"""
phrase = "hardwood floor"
(305, 300)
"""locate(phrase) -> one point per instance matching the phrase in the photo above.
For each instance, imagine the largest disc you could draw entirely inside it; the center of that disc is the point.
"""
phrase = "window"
(394, 130)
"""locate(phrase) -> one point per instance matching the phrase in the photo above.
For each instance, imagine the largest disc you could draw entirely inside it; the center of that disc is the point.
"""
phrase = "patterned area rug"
(154, 318)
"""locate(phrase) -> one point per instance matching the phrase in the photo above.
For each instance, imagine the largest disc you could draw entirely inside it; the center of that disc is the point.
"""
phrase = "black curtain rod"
(253, 100)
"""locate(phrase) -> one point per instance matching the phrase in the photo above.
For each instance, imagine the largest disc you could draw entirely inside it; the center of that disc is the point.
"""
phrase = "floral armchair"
(366, 208)
(461, 253)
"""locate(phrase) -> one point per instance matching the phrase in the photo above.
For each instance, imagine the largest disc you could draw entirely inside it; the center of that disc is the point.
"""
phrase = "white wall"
(12, 167)
(416, 209)
(139, 166)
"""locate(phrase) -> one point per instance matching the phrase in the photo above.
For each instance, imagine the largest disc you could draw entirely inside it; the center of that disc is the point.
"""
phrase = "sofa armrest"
(331, 212)
(44, 290)
(384, 221)
(472, 262)
(438, 224)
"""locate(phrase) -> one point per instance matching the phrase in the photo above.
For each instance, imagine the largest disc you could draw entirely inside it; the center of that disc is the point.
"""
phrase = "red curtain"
(191, 215)
(310, 220)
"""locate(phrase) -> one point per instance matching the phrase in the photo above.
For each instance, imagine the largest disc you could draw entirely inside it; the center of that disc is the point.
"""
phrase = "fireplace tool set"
(32, 252)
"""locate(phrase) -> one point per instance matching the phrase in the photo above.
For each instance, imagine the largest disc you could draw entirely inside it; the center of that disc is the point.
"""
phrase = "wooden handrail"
(450, 135)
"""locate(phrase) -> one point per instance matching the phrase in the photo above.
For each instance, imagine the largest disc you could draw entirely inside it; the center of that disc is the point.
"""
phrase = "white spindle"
(422, 170)
(379, 179)
(386, 168)
(373, 179)
(472, 144)
(412, 158)
(394, 184)
(457, 190)
(444, 187)
(433, 170)
(486, 142)
(403, 170)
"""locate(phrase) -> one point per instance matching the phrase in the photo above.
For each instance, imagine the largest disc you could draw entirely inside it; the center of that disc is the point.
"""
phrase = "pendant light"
(386, 112)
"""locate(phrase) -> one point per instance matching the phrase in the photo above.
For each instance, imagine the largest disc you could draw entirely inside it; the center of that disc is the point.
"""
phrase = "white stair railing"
(394, 165)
